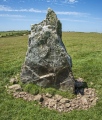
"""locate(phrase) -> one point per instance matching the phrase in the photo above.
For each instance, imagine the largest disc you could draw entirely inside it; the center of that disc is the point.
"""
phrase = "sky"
(75, 15)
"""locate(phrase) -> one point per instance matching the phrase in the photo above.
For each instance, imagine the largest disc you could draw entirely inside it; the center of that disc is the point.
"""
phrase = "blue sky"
(75, 15)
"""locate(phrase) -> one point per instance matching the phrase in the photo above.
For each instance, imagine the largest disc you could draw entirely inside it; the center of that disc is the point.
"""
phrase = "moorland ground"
(86, 52)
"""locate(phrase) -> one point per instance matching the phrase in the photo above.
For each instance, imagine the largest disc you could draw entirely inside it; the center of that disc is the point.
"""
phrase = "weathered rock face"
(47, 62)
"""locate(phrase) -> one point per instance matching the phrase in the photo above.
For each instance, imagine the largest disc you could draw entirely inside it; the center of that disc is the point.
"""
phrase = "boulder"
(64, 100)
(48, 95)
(57, 97)
(84, 100)
(15, 87)
(13, 81)
(38, 98)
(47, 62)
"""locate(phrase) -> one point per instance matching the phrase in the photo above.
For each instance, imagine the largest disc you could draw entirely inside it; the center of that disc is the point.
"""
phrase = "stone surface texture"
(47, 62)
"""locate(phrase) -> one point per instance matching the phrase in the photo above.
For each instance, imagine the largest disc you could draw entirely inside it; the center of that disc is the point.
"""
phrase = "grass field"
(86, 52)
(13, 33)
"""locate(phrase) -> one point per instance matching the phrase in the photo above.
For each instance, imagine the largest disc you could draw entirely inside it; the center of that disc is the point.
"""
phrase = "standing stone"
(47, 62)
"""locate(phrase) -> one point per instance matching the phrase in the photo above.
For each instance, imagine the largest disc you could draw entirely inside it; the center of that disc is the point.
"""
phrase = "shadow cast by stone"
(80, 86)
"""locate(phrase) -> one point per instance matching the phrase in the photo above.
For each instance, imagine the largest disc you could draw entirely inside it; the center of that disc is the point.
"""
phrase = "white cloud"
(62, 1)
(64, 19)
(4, 8)
(70, 1)
(8, 9)
(72, 13)
(14, 16)
(21, 19)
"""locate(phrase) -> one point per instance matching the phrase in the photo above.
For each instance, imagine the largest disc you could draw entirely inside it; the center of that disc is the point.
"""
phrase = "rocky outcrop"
(47, 62)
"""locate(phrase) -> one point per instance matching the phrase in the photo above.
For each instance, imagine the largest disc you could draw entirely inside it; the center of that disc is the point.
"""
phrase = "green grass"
(86, 52)
(34, 89)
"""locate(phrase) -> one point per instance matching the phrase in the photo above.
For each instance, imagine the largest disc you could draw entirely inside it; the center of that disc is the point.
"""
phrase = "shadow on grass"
(80, 86)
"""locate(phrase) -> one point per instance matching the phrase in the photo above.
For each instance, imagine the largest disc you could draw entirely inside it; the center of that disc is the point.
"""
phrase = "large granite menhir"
(47, 62)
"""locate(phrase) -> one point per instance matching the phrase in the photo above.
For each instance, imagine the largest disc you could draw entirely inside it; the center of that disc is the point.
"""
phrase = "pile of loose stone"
(57, 102)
